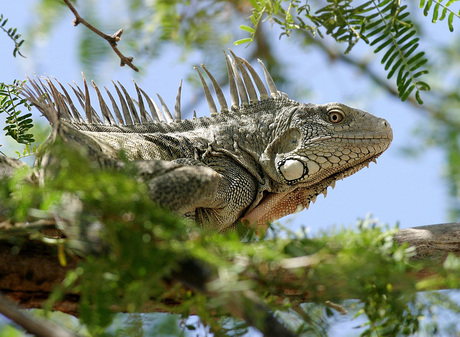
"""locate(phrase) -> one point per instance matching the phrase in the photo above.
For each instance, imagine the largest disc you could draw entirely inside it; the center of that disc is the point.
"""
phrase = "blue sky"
(397, 189)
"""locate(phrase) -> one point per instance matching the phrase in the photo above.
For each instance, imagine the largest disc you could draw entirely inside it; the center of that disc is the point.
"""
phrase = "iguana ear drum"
(292, 169)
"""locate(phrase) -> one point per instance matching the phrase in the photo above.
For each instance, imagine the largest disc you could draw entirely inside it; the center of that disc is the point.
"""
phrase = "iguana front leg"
(236, 191)
(214, 194)
(179, 187)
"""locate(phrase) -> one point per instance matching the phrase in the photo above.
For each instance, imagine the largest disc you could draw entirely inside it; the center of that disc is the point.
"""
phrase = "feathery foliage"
(17, 123)
(440, 11)
(13, 34)
(385, 25)
(145, 254)
(382, 24)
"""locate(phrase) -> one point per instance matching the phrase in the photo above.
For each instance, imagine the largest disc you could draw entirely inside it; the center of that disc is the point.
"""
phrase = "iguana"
(264, 157)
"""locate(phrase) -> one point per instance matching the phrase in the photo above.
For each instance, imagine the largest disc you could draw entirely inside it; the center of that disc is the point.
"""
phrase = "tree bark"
(29, 271)
(433, 242)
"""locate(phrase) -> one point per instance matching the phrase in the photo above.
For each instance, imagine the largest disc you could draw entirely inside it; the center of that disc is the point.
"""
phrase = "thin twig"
(16, 43)
(111, 39)
(33, 325)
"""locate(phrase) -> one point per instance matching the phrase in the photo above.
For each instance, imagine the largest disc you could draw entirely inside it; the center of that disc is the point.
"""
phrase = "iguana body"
(262, 159)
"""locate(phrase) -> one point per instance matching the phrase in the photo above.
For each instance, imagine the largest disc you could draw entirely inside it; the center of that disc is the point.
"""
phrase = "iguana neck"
(246, 135)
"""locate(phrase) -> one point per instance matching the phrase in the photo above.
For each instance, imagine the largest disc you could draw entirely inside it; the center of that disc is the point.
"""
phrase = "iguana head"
(319, 145)
(311, 146)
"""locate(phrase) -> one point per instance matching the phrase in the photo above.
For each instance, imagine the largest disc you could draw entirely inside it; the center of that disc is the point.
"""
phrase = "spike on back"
(124, 107)
(239, 83)
(235, 102)
(177, 112)
(61, 107)
(132, 110)
(246, 87)
(114, 106)
(218, 90)
(145, 117)
(207, 93)
(108, 118)
(251, 91)
(269, 79)
(67, 99)
(166, 111)
(260, 85)
(154, 110)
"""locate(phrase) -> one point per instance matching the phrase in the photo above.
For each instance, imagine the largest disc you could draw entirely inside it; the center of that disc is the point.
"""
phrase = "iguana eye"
(335, 116)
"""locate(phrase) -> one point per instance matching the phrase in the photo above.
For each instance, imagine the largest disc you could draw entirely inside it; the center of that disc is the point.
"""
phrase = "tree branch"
(111, 39)
(433, 242)
(33, 325)
(29, 273)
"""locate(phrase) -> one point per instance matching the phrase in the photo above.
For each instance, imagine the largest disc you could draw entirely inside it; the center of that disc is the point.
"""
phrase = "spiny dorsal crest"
(246, 87)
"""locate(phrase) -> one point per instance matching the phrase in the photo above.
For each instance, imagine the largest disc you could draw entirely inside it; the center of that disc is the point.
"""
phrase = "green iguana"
(265, 157)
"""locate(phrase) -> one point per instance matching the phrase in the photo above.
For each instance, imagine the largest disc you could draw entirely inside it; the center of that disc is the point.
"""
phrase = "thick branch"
(111, 39)
(33, 325)
(432, 242)
(30, 270)
(29, 273)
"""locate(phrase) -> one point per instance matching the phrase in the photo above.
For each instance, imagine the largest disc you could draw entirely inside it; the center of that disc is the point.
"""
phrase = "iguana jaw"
(274, 206)
(291, 200)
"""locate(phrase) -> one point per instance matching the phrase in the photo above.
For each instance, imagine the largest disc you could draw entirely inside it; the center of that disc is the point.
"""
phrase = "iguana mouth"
(331, 179)
(299, 198)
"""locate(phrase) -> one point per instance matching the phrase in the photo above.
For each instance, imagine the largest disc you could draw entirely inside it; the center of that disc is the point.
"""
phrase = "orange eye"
(335, 116)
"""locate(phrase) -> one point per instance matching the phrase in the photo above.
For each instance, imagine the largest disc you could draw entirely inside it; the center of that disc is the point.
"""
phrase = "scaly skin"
(335, 142)
(257, 162)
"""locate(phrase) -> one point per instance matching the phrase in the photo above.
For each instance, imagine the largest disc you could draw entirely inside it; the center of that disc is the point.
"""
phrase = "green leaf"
(406, 92)
(383, 45)
(418, 98)
(435, 13)
(415, 58)
(408, 36)
(247, 29)
(17, 124)
(390, 60)
(443, 14)
(255, 4)
(11, 32)
(418, 65)
(377, 40)
(450, 20)
(238, 42)
(410, 51)
(394, 68)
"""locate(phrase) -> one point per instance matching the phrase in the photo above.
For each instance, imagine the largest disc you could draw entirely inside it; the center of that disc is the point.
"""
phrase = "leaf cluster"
(13, 35)
(139, 256)
(17, 123)
(386, 28)
(440, 11)
(382, 24)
